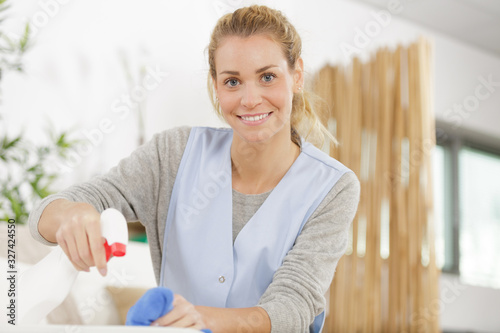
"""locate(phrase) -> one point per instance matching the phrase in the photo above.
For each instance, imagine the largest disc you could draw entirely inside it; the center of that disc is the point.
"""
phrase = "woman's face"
(255, 87)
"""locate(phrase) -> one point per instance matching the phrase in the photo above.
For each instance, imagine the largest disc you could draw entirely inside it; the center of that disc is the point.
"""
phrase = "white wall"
(74, 77)
(466, 308)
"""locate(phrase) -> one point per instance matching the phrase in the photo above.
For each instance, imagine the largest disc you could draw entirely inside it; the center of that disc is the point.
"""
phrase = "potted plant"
(27, 172)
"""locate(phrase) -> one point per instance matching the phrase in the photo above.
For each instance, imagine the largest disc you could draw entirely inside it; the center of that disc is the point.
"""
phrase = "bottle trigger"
(108, 250)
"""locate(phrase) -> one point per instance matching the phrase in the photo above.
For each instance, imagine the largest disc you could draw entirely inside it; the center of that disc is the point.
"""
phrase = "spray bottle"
(45, 286)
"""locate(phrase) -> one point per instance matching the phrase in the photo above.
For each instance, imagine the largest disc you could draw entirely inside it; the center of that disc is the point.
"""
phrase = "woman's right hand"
(76, 227)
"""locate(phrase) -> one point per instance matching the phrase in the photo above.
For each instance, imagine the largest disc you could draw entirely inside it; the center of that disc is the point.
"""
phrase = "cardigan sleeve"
(296, 294)
(135, 186)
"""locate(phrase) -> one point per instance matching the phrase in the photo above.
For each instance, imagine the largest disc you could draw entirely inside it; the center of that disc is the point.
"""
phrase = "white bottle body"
(44, 286)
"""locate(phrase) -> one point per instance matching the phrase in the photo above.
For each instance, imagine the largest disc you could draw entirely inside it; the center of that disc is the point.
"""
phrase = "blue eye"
(268, 77)
(231, 82)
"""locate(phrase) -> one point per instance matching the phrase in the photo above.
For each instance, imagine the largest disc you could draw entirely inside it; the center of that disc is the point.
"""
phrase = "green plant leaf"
(17, 205)
(3, 6)
(6, 144)
(10, 42)
(37, 174)
(61, 141)
(44, 192)
(33, 168)
(23, 42)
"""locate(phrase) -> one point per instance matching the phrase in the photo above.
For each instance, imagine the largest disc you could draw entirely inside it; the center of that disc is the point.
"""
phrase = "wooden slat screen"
(381, 114)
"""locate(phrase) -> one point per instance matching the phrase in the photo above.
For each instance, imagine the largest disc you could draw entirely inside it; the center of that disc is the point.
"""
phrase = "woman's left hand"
(184, 314)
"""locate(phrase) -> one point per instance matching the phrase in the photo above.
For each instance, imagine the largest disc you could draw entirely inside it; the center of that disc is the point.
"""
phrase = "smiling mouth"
(255, 118)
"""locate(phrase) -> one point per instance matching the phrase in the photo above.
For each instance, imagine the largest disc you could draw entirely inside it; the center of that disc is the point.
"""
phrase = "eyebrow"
(260, 70)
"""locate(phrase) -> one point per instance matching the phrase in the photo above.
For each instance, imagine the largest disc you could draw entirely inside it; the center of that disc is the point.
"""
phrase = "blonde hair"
(254, 20)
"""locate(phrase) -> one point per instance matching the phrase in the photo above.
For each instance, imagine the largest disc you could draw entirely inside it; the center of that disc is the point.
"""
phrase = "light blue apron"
(199, 260)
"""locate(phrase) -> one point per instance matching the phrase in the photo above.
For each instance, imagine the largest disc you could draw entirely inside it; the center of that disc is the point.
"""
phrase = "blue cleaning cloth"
(155, 303)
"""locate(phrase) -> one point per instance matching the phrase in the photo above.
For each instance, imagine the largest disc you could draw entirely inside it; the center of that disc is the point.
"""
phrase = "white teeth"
(255, 118)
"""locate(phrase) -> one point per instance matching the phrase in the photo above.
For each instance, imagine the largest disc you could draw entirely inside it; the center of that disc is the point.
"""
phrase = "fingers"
(96, 242)
(66, 239)
(81, 240)
(65, 248)
(84, 257)
(184, 314)
(183, 322)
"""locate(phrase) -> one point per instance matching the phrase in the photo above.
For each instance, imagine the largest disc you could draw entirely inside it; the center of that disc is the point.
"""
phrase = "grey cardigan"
(140, 186)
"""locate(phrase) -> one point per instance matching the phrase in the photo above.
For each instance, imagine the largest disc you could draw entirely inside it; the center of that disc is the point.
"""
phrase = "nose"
(251, 96)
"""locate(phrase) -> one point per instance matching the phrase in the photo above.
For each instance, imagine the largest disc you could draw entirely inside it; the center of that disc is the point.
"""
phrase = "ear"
(298, 76)
(212, 84)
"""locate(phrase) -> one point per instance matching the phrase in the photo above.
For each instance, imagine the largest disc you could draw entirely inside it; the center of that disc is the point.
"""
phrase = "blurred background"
(92, 80)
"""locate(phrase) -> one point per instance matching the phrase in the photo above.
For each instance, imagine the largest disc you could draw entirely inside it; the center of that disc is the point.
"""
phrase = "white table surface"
(90, 329)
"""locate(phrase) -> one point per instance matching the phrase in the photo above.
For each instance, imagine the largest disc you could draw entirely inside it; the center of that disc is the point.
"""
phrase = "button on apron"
(222, 279)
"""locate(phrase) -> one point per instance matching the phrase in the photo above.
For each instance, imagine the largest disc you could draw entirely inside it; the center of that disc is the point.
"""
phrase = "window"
(479, 217)
(467, 206)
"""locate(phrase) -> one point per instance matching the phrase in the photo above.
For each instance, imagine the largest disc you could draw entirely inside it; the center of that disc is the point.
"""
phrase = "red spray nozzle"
(114, 230)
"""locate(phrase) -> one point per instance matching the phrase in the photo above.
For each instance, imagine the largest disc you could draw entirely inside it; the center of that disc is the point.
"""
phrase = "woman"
(246, 225)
